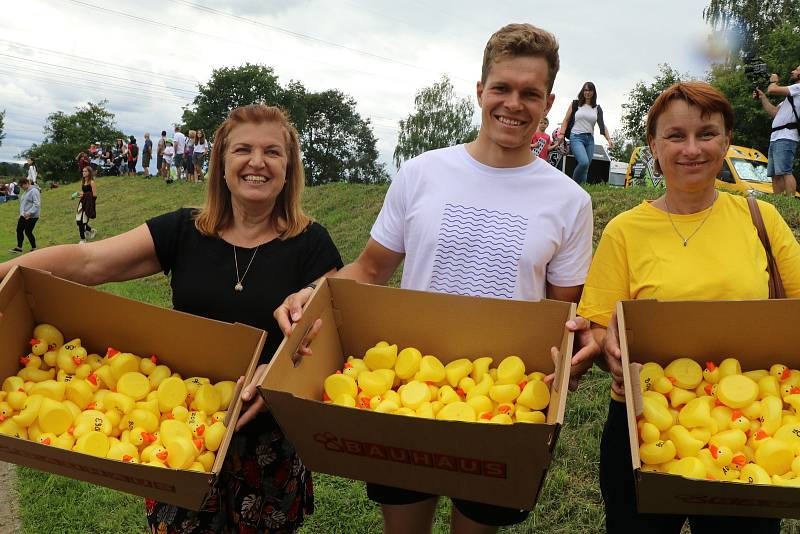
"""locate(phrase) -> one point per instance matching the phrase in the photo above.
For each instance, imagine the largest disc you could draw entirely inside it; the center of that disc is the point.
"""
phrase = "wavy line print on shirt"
(498, 233)
(506, 220)
(455, 279)
(480, 246)
(497, 244)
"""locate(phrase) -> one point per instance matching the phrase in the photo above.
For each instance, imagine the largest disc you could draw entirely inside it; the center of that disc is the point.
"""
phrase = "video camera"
(756, 71)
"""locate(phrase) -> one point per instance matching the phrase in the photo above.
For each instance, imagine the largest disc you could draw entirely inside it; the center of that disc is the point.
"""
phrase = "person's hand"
(584, 356)
(252, 403)
(613, 356)
(291, 311)
(758, 94)
(80, 194)
(26, 215)
(610, 144)
(773, 78)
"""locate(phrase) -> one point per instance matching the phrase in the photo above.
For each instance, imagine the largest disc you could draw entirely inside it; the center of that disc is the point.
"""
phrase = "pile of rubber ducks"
(408, 383)
(118, 406)
(720, 423)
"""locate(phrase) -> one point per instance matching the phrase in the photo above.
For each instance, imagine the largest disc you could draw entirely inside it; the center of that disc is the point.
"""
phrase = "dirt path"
(9, 513)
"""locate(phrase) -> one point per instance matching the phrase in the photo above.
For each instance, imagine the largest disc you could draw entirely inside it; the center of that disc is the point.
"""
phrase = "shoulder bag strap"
(776, 290)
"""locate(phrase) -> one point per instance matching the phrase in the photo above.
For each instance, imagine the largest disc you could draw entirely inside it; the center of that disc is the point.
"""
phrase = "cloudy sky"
(146, 57)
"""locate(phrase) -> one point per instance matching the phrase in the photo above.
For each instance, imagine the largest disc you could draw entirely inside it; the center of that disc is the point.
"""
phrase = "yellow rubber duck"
(431, 369)
(737, 391)
(480, 367)
(206, 399)
(225, 388)
(511, 370)
(50, 334)
(381, 356)
(729, 366)
(171, 393)
(456, 370)
(686, 372)
(711, 373)
(407, 363)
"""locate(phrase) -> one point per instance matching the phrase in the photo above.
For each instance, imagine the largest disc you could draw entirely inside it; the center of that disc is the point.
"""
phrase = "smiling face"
(255, 162)
(513, 100)
(689, 146)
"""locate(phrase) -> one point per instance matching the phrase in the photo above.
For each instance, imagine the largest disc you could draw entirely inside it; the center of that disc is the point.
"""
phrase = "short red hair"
(699, 94)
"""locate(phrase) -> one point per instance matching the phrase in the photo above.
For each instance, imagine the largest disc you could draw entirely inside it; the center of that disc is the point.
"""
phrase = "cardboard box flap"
(282, 371)
(95, 321)
(741, 321)
(489, 327)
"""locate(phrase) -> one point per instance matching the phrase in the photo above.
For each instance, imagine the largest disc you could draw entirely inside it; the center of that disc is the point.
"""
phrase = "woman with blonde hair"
(691, 243)
(233, 260)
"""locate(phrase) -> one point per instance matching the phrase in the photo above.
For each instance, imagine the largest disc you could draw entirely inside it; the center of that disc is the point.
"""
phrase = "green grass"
(570, 499)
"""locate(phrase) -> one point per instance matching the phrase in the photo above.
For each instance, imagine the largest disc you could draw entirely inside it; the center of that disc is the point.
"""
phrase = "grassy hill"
(570, 500)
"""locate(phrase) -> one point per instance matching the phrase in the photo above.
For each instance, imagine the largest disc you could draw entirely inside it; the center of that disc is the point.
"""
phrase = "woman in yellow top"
(692, 243)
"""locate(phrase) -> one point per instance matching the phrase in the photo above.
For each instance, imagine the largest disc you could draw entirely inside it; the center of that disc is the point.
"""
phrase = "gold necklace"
(686, 239)
(239, 280)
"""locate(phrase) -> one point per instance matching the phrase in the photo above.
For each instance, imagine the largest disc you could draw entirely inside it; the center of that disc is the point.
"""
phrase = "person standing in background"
(179, 144)
(540, 143)
(166, 162)
(200, 151)
(87, 207)
(578, 127)
(30, 203)
(162, 144)
(188, 156)
(32, 172)
(133, 156)
(147, 154)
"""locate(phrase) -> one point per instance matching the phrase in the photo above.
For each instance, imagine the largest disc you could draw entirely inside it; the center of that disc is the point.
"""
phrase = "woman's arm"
(119, 258)
(94, 189)
(563, 128)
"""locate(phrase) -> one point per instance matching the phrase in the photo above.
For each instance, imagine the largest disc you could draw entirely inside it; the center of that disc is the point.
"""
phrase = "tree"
(68, 134)
(440, 119)
(229, 88)
(641, 98)
(2, 126)
(11, 169)
(622, 149)
(338, 145)
(780, 49)
(749, 22)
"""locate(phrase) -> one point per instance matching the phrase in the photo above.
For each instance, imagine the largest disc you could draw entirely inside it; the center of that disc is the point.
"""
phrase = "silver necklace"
(239, 280)
(686, 239)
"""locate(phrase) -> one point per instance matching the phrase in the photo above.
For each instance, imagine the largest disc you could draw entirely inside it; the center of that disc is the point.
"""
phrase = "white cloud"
(404, 46)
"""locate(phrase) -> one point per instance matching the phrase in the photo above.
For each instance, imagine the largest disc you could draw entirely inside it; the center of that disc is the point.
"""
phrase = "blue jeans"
(582, 147)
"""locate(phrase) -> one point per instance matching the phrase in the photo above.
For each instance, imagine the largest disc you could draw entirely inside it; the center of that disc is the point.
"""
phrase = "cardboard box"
(756, 333)
(497, 464)
(190, 345)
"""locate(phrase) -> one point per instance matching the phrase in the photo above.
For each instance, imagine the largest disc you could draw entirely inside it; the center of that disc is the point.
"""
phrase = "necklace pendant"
(238, 286)
(684, 242)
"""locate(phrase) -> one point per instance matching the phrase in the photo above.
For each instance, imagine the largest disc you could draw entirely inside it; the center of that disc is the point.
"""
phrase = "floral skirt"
(263, 488)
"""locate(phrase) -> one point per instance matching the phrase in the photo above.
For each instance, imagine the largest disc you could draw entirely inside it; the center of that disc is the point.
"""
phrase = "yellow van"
(744, 170)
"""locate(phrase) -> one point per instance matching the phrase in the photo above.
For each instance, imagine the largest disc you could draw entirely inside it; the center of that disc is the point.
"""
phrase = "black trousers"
(619, 493)
(25, 226)
(83, 227)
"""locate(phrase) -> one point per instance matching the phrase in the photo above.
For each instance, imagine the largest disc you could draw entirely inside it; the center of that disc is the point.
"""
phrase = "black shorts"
(178, 161)
(486, 514)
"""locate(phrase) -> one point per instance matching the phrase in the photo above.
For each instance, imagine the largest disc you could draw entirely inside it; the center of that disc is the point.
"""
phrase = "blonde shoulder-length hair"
(287, 215)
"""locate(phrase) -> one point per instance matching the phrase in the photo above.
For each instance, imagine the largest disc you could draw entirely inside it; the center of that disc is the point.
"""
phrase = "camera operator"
(785, 126)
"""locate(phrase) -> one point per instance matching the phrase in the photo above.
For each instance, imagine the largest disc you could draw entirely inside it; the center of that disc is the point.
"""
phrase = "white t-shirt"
(168, 153)
(786, 115)
(585, 119)
(179, 142)
(470, 229)
(32, 174)
(200, 148)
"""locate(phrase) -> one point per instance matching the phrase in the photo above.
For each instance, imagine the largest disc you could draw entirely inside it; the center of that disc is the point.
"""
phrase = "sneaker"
(82, 242)
(92, 233)
(15, 250)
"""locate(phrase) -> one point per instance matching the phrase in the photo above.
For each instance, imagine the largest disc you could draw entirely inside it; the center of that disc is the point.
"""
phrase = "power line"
(12, 44)
(250, 44)
(84, 71)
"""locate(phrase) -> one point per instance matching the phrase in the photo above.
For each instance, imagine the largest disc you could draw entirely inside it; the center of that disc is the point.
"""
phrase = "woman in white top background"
(32, 172)
(578, 125)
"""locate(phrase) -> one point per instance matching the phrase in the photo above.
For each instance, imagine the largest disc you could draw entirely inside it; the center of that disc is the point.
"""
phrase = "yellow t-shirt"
(640, 256)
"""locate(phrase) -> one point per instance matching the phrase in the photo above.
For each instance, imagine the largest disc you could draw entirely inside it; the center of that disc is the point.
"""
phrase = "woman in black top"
(234, 260)
(86, 205)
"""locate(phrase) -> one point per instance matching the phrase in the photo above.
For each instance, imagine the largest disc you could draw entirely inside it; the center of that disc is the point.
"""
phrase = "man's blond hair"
(514, 40)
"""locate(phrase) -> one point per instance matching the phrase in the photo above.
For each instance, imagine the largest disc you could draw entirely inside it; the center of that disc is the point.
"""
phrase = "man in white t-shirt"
(487, 218)
(784, 138)
(179, 144)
